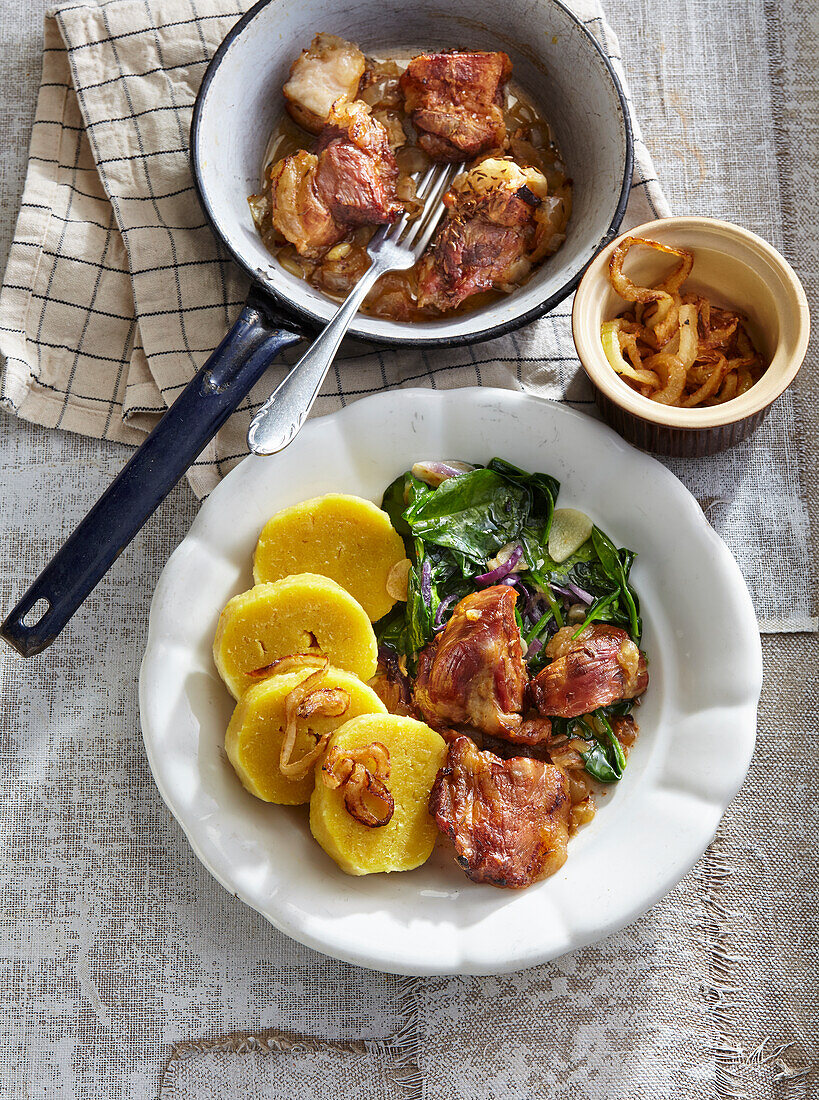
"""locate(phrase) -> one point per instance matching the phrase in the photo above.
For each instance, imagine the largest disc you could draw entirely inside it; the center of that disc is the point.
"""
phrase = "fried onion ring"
(672, 375)
(709, 387)
(303, 701)
(289, 663)
(346, 769)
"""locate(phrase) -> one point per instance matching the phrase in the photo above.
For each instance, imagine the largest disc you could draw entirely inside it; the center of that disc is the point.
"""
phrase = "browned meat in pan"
(600, 667)
(296, 208)
(357, 173)
(508, 819)
(484, 240)
(473, 673)
(316, 199)
(454, 100)
(467, 257)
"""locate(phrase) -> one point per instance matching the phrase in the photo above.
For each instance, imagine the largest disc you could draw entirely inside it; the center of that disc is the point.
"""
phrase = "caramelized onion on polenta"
(256, 734)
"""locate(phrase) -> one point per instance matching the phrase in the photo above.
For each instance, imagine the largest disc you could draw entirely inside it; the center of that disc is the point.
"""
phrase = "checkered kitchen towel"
(116, 290)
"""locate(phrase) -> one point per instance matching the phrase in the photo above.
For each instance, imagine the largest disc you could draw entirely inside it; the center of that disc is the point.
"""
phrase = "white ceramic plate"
(698, 721)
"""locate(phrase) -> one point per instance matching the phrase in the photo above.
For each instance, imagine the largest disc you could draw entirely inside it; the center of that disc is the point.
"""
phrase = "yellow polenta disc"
(416, 754)
(342, 537)
(304, 613)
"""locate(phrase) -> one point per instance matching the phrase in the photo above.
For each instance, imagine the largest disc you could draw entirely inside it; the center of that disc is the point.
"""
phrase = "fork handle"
(279, 420)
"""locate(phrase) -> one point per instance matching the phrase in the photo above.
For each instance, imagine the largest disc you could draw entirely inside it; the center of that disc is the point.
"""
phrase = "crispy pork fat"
(329, 69)
(508, 819)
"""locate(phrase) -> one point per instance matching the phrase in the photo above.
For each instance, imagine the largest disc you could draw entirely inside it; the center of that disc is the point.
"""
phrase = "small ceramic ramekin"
(734, 269)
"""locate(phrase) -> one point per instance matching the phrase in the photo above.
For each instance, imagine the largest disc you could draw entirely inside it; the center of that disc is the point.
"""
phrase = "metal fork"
(393, 248)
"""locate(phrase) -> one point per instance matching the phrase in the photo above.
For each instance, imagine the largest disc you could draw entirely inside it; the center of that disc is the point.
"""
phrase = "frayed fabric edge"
(399, 1053)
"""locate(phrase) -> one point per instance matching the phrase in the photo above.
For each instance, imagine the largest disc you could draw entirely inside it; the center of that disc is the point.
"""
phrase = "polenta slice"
(254, 737)
(416, 754)
(304, 613)
(342, 537)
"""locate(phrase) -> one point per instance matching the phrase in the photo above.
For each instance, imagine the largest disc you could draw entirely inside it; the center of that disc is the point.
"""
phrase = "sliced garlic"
(570, 529)
(397, 580)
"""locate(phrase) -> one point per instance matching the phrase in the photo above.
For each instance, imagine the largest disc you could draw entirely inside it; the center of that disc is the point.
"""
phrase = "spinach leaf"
(415, 490)
(408, 627)
(606, 759)
(598, 764)
(617, 565)
(391, 630)
(436, 571)
(542, 490)
(566, 727)
(583, 554)
(591, 576)
(394, 502)
(606, 553)
(474, 514)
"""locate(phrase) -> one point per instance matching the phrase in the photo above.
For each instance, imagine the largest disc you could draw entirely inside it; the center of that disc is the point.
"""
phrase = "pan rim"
(302, 314)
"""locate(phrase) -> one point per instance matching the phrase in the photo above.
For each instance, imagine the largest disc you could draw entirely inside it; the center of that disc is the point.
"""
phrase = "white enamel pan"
(555, 59)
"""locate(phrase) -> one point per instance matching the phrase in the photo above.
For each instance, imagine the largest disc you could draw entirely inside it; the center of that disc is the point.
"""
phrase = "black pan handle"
(138, 490)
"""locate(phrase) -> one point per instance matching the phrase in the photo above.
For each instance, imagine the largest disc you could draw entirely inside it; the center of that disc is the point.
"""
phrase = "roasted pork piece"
(600, 667)
(357, 173)
(484, 240)
(473, 674)
(315, 199)
(454, 100)
(329, 69)
(508, 819)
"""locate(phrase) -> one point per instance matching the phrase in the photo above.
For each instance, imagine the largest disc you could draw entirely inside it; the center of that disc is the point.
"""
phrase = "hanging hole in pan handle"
(37, 613)
(27, 630)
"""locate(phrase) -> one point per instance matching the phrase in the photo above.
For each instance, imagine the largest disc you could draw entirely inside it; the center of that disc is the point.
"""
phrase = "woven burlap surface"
(118, 945)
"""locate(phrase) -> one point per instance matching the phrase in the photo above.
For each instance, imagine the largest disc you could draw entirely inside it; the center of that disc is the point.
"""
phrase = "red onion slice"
(572, 591)
(438, 621)
(496, 575)
(434, 473)
(426, 583)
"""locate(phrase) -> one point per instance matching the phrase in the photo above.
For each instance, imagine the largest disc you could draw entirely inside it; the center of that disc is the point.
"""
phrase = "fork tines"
(430, 191)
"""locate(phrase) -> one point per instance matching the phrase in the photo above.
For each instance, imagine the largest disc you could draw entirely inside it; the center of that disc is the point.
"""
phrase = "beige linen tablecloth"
(118, 945)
